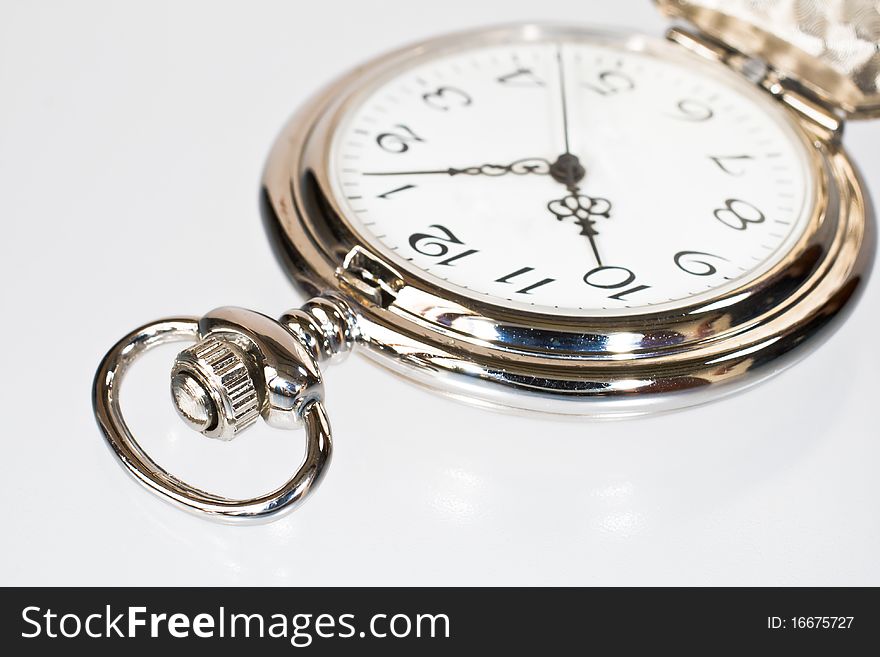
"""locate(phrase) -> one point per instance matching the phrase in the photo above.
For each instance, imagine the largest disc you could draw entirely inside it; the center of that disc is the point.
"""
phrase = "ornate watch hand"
(568, 170)
(530, 165)
(583, 210)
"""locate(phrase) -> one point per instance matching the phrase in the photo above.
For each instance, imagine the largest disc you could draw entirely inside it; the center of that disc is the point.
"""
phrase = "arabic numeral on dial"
(528, 288)
(398, 140)
(444, 98)
(738, 214)
(391, 192)
(432, 244)
(610, 83)
(609, 277)
(696, 266)
(720, 160)
(693, 110)
(521, 77)
(436, 244)
(457, 256)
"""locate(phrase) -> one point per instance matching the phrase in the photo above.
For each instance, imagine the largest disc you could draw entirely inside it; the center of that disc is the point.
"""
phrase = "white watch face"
(573, 176)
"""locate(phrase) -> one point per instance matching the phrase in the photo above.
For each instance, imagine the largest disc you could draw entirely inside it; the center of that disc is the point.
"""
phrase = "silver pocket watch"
(545, 218)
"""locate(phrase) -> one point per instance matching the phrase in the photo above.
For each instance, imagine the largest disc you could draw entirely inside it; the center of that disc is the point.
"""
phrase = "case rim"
(587, 365)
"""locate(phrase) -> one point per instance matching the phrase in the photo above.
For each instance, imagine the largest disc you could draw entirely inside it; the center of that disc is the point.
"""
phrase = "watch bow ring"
(244, 365)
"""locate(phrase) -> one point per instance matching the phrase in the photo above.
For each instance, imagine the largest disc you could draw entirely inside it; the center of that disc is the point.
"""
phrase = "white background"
(132, 137)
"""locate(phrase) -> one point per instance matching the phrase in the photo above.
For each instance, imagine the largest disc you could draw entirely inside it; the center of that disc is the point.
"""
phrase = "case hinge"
(369, 278)
(822, 120)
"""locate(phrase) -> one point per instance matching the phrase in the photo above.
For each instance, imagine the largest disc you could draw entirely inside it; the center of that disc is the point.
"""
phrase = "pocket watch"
(545, 218)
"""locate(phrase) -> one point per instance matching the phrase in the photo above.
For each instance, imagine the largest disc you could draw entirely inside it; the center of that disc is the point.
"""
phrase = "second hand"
(567, 169)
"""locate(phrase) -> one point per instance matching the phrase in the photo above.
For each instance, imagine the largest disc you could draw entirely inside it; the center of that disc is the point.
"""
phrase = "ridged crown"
(221, 372)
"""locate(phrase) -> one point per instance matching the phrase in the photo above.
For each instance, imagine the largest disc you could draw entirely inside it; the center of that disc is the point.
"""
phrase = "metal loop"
(105, 401)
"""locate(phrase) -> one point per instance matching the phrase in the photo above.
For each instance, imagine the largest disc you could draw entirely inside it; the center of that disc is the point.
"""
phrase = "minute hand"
(537, 166)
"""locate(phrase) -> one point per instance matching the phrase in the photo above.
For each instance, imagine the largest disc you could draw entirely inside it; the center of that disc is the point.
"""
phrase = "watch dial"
(573, 176)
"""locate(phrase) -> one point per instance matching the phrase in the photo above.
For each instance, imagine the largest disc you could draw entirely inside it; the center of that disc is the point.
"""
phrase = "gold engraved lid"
(830, 47)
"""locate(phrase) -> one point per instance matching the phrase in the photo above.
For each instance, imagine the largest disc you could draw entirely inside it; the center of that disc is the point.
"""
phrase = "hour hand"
(537, 166)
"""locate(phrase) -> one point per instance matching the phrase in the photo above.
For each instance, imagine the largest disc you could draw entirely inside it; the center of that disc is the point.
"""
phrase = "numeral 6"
(397, 141)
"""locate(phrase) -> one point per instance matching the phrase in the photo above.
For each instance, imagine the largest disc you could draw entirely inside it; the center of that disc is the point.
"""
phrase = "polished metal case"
(483, 352)
(829, 47)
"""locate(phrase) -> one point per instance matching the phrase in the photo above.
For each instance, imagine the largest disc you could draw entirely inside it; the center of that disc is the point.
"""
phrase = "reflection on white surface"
(615, 492)
(465, 478)
(281, 531)
(458, 499)
(616, 515)
(457, 507)
(233, 566)
(621, 525)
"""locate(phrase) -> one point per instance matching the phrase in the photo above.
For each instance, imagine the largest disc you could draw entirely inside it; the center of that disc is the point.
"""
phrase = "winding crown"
(213, 388)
